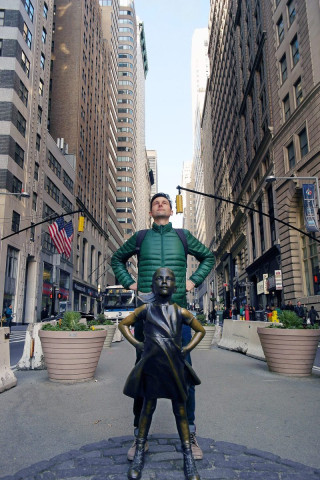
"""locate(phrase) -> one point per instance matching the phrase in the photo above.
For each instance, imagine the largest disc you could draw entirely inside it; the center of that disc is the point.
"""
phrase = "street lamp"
(272, 179)
(17, 194)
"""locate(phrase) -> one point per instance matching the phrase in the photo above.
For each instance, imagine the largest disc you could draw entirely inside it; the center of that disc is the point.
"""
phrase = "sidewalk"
(251, 424)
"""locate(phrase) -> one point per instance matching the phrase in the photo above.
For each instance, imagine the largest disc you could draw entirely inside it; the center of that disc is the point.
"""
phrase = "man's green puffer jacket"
(162, 247)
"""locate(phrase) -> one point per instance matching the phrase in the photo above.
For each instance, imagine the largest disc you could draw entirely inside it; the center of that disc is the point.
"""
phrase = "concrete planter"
(72, 356)
(289, 351)
(110, 329)
(207, 340)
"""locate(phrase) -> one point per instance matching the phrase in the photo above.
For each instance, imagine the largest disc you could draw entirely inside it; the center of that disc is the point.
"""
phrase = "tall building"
(82, 111)
(261, 118)
(294, 28)
(30, 161)
(143, 185)
(127, 117)
(153, 167)
(190, 223)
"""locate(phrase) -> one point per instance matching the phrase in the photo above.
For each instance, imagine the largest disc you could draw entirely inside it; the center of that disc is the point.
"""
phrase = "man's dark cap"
(160, 194)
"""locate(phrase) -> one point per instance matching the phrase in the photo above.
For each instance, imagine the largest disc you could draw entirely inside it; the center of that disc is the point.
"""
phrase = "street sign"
(245, 284)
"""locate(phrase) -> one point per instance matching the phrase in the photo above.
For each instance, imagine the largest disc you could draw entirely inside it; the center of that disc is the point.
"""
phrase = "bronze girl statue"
(162, 371)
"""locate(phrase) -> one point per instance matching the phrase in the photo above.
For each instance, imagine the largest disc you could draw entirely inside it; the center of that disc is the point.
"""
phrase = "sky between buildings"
(169, 25)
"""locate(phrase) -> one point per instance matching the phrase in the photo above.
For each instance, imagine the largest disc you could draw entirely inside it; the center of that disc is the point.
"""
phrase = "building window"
(303, 140)
(38, 142)
(298, 92)
(34, 201)
(25, 64)
(291, 11)
(19, 155)
(42, 60)
(291, 155)
(1, 17)
(21, 124)
(16, 185)
(23, 93)
(310, 262)
(27, 36)
(54, 164)
(45, 10)
(68, 182)
(286, 107)
(66, 204)
(15, 221)
(47, 211)
(52, 190)
(44, 35)
(253, 240)
(261, 229)
(280, 29)
(39, 114)
(36, 171)
(295, 50)
(41, 87)
(29, 9)
(272, 223)
(284, 69)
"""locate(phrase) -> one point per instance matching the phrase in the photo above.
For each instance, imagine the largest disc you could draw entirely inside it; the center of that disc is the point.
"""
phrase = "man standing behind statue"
(162, 247)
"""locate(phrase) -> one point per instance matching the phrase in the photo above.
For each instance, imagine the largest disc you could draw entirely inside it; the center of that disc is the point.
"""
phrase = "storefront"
(84, 298)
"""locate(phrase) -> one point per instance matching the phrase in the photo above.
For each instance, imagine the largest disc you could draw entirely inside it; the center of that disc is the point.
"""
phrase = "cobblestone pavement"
(107, 460)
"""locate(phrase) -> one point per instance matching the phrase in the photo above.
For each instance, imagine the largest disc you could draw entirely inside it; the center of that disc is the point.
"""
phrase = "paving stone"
(107, 460)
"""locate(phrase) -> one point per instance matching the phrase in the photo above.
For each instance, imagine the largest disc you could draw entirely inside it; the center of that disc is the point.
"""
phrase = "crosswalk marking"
(17, 337)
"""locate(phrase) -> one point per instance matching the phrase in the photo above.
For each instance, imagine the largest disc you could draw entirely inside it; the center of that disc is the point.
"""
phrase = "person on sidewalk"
(162, 371)
(300, 311)
(162, 246)
(313, 315)
(9, 316)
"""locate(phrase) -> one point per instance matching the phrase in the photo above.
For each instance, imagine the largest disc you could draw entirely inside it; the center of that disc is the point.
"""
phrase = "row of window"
(295, 56)
(297, 148)
(298, 97)
(291, 13)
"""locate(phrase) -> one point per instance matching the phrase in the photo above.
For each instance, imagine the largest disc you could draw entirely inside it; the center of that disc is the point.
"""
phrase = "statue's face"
(164, 282)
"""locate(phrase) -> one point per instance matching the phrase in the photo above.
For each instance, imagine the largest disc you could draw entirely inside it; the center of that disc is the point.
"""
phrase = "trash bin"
(220, 317)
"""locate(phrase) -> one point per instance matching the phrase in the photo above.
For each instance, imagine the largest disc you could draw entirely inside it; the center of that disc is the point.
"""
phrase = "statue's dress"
(162, 371)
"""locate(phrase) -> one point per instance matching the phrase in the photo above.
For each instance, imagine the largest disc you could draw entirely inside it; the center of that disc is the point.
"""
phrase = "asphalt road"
(239, 402)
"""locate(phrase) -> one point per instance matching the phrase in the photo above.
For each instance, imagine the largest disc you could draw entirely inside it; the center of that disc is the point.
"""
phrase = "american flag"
(58, 234)
(68, 238)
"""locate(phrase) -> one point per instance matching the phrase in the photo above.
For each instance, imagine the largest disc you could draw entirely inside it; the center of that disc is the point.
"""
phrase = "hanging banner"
(309, 207)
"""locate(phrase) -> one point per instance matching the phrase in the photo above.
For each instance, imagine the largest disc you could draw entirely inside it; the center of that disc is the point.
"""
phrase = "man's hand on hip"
(189, 285)
(134, 286)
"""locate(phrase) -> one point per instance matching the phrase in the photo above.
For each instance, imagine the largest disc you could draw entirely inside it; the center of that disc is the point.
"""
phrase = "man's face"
(163, 283)
(160, 209)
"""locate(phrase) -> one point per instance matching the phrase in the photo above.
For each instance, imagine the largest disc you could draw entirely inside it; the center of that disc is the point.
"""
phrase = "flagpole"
(40, 223)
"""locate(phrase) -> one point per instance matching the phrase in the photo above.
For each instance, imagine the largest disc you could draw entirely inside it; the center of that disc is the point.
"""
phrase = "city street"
(18, 336)
(239, 402)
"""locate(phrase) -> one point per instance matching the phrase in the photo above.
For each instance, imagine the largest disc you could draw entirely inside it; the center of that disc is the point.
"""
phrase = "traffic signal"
(59, 296)
(51, 295)
(179, 204)
(81, 224)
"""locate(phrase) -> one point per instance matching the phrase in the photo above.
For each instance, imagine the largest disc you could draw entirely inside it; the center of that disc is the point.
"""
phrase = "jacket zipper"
(162, 251)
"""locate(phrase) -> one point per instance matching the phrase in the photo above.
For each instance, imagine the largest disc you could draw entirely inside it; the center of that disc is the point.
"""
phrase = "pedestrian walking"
(213, 315)
(162, 371)
(8, 315)
(313, 315)
(157, 247)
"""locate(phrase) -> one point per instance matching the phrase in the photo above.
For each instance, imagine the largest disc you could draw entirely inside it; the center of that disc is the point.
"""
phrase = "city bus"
(118, 302)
